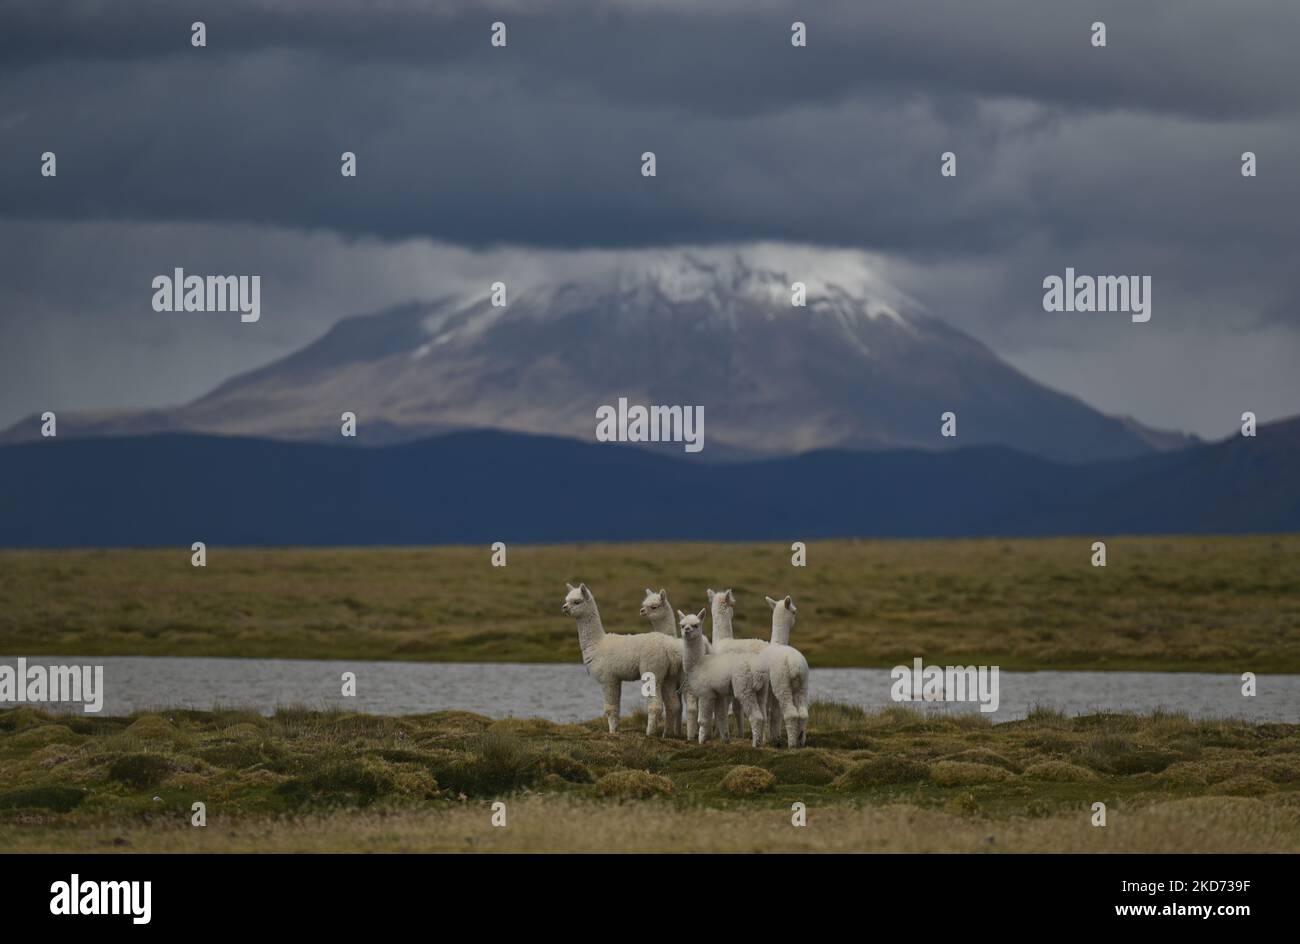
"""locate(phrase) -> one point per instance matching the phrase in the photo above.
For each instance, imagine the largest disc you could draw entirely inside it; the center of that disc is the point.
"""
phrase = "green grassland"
(1215, 604)
(889, 781)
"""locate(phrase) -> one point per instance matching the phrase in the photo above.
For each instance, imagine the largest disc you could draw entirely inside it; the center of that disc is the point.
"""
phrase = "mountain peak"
(729, 284)
(861, 366)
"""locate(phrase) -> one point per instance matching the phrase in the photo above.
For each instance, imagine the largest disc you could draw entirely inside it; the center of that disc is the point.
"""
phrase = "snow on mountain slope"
(861, 367)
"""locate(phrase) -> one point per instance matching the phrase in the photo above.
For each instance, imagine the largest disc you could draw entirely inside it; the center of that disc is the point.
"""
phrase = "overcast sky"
(476, 162)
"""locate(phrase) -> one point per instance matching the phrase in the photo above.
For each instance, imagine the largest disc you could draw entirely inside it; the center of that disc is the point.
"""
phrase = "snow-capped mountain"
(860, 367)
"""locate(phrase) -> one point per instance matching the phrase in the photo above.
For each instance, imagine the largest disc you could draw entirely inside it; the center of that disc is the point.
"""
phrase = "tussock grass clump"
(1112, 754)
(140, 770)
(450, 724)
(879, 771)
(52, 755)
(982, 755)
(242, 731)
(951, 773)
(1249, 785)
(648, 754)
(833, 715)
(16, 719)
(1051, 743)
(811, 765)
(1285, 769)
(565, 767)
(1058, 771)
(744, 780)
(358, 781)
(45, 734)
(495, 763)
(152, 728)
(524, 727)
(1212, 770)
(971, 720)
(634, 784)
(59, 799)
(1044, 716)
(361, 778)
(242, 755)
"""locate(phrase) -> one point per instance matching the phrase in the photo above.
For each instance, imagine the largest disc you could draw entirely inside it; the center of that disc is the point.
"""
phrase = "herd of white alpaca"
(764, 683)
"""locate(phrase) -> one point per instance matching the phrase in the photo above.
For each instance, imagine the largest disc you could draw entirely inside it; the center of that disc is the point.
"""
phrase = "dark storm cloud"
(539, 143)
(479, 158)
(1117, 160)
(1200, 57)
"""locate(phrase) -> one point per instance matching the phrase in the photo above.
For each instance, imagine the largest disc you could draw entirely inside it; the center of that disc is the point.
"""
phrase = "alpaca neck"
(722, 625)
(694, 653)
(781, 624)
(590, 632)
(661, 621)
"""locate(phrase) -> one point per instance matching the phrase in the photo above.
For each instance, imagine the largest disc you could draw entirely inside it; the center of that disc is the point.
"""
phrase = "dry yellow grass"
(553, 824)
(1181, 603)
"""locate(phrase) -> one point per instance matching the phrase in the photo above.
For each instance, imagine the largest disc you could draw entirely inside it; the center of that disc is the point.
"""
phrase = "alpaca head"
(578, 601)
(722, 603)
(690, 624)
(655, 604)
(783, 611)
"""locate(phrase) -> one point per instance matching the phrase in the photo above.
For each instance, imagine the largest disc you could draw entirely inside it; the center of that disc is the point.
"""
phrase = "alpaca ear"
(789, 604)
(770, 602)
(647, 591)
(663, 593)
(585, 591)
(710, 593)
(569, 585)
(701, 616)
(681, 615)
(731, 598)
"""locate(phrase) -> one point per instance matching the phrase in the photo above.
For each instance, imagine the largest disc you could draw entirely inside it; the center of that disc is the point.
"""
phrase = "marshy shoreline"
(893, 780)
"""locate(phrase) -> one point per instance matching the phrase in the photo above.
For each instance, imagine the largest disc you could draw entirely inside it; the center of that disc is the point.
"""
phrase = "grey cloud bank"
(1123, 159)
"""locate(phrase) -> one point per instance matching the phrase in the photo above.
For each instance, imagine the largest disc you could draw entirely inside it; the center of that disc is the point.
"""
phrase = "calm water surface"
(564, 692)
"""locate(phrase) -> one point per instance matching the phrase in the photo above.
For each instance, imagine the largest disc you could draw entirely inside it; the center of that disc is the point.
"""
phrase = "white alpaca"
(714, 677)
(787, 672)
(656, 608)
(614, 658)
(723, 605)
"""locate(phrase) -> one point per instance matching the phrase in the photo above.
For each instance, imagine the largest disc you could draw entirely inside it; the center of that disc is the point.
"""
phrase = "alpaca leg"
(719, 723)
(672, 713)
(613, 699)
(692, 715)
(773, 721)
(706, 715)
(734, 710)
(801, 704)
(791, 716)
(654, 708)
(750, 706)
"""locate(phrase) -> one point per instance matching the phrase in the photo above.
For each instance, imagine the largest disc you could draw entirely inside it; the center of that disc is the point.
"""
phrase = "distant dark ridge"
(479, 487)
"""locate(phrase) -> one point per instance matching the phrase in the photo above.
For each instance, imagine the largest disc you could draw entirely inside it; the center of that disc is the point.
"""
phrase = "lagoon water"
(563, 692)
